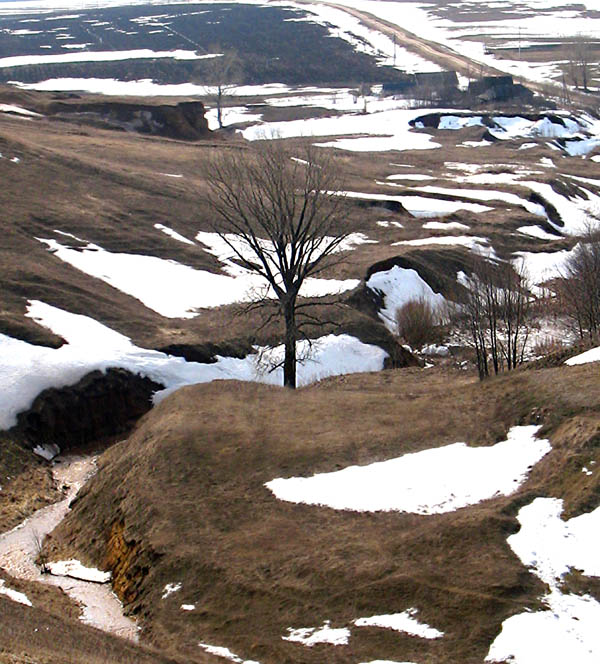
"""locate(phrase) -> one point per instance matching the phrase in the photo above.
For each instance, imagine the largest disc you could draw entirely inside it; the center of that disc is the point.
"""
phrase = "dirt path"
(20, 546)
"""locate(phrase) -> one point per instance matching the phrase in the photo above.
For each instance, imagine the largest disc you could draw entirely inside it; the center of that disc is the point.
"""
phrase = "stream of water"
(20, 546)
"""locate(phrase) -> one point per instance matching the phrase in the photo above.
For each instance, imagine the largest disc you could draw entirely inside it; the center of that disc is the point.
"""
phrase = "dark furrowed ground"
(274, 44)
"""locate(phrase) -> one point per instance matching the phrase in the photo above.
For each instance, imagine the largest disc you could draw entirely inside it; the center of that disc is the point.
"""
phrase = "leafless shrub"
(41, 557)
(419, 323)
(578, 288)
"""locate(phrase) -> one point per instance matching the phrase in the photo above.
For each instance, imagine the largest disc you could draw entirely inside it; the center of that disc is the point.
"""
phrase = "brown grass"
(190, 493)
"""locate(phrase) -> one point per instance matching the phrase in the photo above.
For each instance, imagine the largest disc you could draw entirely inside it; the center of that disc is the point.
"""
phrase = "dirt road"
(447, 57)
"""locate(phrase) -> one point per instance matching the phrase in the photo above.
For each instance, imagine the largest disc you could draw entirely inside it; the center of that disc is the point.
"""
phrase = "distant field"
(275, 44)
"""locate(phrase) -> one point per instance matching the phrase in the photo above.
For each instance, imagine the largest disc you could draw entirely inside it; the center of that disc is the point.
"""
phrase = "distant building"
(437, 82)
(498, 88)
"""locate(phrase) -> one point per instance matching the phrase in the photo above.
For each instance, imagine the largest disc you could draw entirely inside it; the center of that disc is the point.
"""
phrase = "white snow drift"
(433, 481)
(398, 286)
(568, 630)
(26, 369)
(401, 622)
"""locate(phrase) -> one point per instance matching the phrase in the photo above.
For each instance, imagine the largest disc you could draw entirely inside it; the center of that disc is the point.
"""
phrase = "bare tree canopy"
(579, 286)
(497, 315)
(281, 216)
(220, 75)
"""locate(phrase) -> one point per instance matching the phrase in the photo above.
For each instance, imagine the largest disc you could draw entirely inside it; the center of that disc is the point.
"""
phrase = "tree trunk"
(289, 362)
(220, 105)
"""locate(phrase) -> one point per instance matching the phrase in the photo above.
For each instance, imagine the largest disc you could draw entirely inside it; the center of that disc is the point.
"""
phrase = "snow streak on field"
(26, 369)
(99, 56)
(433, 481)
(175, 290)
(551, 548)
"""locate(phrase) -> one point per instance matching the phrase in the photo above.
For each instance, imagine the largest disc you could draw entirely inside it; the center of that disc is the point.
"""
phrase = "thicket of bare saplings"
(494, 315)
(419, 323)
(578, 288)
(498, 310)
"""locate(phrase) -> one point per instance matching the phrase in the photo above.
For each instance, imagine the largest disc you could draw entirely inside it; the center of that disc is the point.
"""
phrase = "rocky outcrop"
(98, 406)
(184, 121)
(128, 564)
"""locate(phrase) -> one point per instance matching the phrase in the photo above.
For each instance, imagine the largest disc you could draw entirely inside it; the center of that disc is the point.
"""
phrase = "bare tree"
(579, 287)
(496, 313)
(580, 61)
(220, 76)
(281, 216)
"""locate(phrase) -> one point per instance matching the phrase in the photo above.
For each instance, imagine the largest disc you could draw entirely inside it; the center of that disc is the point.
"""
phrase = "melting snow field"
(398, 286)
(26, 369)
(433, 481)
(568, 630)
(175, 290)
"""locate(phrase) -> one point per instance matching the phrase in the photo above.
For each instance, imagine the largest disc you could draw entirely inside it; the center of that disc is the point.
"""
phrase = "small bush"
(547, 346)
(418, 323)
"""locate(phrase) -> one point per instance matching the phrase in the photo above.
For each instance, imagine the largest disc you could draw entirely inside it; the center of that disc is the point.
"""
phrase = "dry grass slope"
(187, 490)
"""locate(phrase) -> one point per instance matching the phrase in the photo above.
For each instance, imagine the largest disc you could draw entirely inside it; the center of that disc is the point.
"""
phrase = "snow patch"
(76, 570)
(48, 451)
(551, 547)
(592, 355)
(401, 622)
(310, 636)
(16, 596)
(171, 233)
(225, 653)
(433, 481)
(175, 290)
(171, 588)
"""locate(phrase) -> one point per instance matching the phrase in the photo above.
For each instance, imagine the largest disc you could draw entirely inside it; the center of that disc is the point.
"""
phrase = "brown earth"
(186, 493)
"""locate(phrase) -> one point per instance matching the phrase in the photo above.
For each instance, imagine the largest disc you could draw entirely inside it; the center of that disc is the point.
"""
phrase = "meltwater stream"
(19, 547)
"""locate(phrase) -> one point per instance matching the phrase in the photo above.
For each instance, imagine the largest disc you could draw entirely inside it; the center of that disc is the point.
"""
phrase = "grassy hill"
(183, 501)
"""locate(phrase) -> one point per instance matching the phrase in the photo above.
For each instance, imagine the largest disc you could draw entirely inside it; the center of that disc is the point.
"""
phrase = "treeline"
(497, 308)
